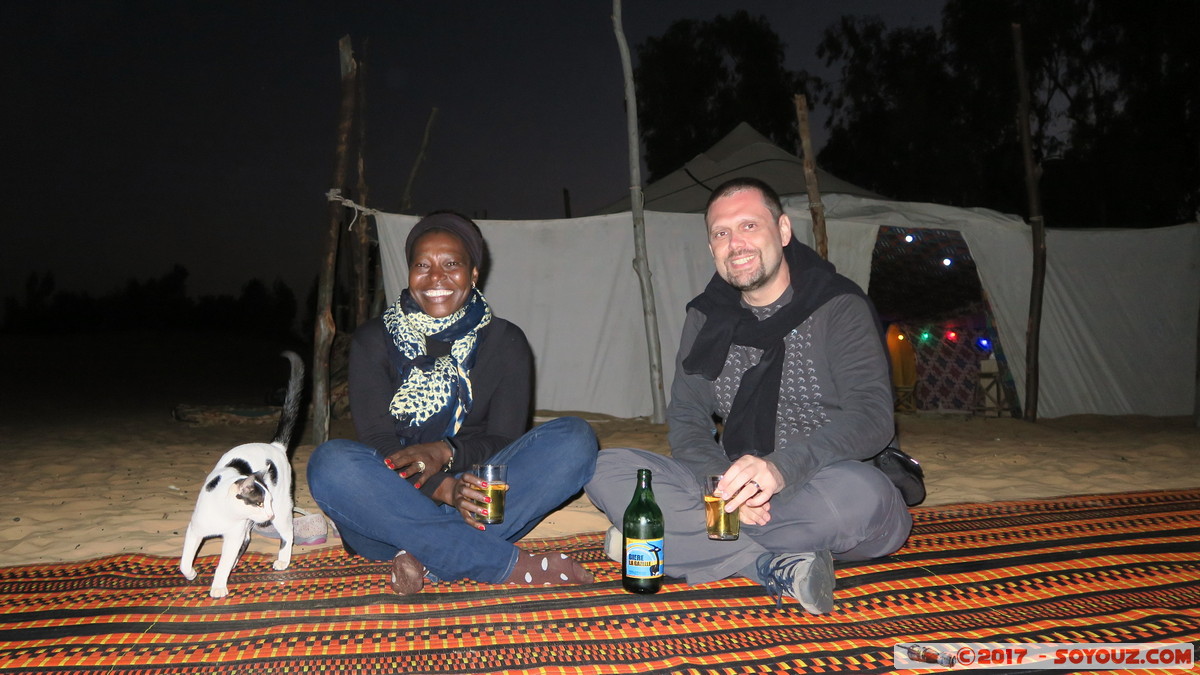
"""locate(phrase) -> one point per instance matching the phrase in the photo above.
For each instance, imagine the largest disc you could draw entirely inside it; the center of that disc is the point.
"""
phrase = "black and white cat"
(251, 483)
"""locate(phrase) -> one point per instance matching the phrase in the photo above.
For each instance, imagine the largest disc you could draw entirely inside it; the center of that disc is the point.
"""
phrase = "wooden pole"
(641, 264)
(815, 207)
(381, 300)
(406, 204)
(362, 243)
(325, 328)
(1037, 283)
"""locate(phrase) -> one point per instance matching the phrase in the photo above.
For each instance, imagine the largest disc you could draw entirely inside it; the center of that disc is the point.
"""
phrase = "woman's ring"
(757, 485)
(421, 467)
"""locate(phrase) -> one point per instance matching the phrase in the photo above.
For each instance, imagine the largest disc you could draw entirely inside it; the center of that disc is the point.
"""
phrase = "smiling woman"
(438, 383)
(440, 275)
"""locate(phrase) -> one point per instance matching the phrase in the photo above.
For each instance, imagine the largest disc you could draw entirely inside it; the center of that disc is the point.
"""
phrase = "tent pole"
(820, 236)
(325, 328)
(640, 262)
(405, 205)
(1037, 223)
(362, 243)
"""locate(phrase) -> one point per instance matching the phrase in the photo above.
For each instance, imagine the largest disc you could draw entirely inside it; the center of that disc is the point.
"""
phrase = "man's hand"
(755, 515)
(751, 481)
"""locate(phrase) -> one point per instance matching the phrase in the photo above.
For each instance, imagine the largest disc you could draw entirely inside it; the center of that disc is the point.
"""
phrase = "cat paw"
(219, 591)
(189, 574)
(281, 565)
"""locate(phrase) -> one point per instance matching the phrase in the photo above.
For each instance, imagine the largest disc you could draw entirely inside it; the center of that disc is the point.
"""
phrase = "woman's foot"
(408, 574)
(547, 569)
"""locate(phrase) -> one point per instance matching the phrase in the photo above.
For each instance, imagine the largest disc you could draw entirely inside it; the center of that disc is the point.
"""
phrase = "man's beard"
(753, 279)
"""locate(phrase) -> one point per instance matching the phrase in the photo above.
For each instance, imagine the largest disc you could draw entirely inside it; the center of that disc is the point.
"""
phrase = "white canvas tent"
(1119, 323)
(1119, 318)
(743, 152)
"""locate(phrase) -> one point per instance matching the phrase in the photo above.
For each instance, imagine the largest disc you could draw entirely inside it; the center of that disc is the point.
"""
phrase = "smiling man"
(788, 356)
(746, 238)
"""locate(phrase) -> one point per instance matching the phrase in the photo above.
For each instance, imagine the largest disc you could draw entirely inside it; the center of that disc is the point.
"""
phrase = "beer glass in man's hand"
(722, 526)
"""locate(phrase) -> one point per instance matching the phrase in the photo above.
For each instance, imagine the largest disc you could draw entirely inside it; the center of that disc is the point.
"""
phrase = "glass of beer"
(496, 477)
(722, 526)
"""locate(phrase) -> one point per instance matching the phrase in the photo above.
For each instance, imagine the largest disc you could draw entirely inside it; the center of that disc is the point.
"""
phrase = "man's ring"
(421, 467)
(757, 485)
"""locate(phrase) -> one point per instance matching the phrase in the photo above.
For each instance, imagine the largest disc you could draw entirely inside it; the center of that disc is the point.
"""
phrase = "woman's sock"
(547, 569)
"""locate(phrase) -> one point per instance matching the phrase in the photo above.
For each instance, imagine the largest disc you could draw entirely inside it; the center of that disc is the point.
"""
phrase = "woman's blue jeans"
(379, 514)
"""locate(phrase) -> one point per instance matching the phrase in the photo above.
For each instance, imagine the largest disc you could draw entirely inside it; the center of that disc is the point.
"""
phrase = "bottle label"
(644, 558)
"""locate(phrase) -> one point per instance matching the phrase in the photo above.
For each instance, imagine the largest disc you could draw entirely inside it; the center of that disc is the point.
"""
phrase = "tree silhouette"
(158, 305)
(927, 116)
(701, 79)
(898, 128)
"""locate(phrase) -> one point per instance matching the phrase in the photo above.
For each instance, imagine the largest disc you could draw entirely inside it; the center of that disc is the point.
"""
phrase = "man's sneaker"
(612, 545)
(807, 577)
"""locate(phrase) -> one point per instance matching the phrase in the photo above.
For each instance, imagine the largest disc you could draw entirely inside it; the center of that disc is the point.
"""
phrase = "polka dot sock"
(547, 569)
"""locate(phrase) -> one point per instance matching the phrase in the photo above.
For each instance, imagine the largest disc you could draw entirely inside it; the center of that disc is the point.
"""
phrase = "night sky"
(145, 134)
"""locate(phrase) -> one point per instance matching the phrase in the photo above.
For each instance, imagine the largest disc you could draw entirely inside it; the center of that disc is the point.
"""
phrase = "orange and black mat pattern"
(1108, 568)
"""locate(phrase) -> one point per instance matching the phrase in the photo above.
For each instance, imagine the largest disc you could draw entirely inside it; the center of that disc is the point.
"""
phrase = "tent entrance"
(941, 337)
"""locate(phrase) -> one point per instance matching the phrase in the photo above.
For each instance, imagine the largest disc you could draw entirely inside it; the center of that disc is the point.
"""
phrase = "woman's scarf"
(435, 395)
(750, 425)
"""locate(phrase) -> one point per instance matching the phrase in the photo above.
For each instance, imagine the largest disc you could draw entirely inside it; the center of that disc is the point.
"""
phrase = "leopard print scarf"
(434, 396)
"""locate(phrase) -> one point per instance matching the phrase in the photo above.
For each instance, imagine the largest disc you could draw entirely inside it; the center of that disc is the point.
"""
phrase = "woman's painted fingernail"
(389, 463)
(403, 475)
(488, 500)
(483, 483)
(483, 512)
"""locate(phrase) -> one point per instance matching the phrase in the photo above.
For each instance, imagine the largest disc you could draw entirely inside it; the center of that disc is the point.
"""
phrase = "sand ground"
(95, 464)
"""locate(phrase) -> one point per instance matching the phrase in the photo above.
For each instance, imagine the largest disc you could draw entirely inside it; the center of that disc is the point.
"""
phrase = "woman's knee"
(574, 432)
(574, 442)
(327, 464)
(324, 454)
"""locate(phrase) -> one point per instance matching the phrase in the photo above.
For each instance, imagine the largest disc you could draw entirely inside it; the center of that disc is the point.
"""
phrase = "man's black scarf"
(750, 426)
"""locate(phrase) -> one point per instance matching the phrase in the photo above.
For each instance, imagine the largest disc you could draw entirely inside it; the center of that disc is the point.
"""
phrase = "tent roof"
(744, 152)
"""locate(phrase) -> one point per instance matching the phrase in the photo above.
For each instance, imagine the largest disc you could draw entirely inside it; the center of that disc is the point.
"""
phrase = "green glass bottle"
(642, 539)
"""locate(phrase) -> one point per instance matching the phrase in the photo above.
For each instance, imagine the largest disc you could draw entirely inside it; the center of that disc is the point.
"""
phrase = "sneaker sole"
(816, 596)
(613, 544)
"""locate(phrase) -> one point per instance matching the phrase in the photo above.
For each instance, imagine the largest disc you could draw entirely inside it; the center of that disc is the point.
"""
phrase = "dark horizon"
(197, 134)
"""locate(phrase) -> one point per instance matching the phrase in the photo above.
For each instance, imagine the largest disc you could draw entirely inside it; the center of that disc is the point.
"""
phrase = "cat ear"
(250, 491)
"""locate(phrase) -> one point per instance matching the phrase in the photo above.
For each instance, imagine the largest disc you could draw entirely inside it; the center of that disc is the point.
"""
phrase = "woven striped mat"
(1109, 568)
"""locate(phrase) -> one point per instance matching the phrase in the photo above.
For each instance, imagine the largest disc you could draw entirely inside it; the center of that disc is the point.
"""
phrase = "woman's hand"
(421, 460)
(464, 494)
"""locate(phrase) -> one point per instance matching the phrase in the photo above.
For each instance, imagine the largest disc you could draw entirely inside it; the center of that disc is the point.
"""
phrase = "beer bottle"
(642, 539)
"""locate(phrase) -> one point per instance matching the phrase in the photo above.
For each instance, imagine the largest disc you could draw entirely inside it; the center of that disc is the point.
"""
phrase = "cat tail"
(291, 402)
